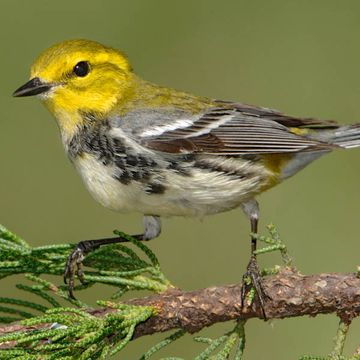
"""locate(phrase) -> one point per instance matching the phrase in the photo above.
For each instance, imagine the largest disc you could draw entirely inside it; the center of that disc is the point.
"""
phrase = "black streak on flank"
(127, 165)
(119, 162)
(181, 170)
(218, 168)
(153, 188)
(124, 177)
(131, 160)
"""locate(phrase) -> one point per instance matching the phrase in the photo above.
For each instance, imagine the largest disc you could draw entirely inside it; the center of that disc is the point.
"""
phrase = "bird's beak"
(34, 86)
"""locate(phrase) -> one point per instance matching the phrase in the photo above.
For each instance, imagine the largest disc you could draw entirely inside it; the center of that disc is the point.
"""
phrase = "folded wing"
(236, 129)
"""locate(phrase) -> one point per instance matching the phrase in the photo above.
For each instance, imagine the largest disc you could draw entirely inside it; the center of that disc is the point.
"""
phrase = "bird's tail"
(347, 136)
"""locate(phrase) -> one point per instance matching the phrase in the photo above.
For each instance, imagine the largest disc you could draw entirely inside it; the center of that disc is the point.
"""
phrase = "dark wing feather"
(236, 130)
(277, 116)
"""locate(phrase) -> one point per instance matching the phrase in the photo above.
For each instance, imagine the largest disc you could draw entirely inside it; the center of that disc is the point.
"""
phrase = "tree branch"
(290, 294)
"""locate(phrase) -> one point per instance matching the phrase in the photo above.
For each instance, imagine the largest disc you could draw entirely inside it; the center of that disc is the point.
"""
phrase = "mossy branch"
(81, 332)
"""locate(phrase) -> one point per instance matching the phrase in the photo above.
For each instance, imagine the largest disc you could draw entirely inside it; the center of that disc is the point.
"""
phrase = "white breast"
(105, 189)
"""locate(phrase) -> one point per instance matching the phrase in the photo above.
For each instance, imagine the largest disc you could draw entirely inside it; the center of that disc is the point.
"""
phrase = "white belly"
(200, 194)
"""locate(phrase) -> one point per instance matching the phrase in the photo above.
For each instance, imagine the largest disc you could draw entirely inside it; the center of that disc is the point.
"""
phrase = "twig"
(290, 294)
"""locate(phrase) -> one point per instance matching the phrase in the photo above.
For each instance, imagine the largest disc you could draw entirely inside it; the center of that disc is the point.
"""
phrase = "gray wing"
(234, 130)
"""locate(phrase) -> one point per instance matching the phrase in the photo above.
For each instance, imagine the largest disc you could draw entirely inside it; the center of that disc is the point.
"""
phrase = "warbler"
(141, 147)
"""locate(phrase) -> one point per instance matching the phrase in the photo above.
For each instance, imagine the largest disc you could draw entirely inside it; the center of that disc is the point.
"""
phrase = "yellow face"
(79, 75)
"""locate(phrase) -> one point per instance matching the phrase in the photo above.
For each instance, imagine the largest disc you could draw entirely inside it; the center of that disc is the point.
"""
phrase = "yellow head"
(79, 76)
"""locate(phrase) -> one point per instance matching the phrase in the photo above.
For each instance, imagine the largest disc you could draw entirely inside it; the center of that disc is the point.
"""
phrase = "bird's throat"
(69, 122)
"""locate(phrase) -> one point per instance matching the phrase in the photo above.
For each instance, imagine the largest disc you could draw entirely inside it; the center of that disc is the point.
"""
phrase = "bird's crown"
(59, 61)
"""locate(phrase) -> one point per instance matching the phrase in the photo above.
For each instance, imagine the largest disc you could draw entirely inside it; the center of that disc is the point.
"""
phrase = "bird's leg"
(251, 209)
(152, 229)
(254, 221)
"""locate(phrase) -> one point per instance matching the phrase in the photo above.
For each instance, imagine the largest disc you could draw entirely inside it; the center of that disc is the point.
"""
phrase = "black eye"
(82, 68)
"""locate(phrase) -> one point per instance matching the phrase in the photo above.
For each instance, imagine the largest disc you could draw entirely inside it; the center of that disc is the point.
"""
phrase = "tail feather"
(347, 136)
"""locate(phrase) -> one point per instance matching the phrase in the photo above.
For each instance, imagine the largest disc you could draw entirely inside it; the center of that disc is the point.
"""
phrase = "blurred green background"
(301, 57)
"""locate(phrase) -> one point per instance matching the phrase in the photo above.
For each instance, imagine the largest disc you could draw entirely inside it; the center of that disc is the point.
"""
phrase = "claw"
(253, 272)
(73, 262)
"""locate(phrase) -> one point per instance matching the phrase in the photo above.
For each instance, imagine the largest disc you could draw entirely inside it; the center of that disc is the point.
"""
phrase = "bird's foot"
(74, 264)
(252, 280)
